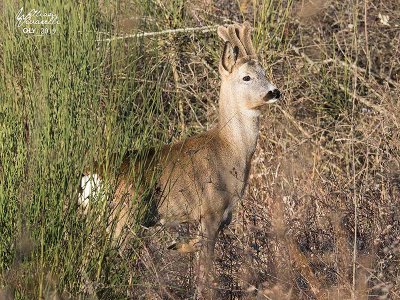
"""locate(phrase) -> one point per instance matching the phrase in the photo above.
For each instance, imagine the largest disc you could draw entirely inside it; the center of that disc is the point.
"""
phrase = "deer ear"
(223, 33)
(229, 57)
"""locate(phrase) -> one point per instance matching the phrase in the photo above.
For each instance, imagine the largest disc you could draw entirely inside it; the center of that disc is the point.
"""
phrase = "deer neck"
(239, 129)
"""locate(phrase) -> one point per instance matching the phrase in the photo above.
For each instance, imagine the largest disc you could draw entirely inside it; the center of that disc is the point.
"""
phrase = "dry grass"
(320, 218)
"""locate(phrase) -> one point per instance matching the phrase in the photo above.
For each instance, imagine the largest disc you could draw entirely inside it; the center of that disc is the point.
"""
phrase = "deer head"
(244, 87)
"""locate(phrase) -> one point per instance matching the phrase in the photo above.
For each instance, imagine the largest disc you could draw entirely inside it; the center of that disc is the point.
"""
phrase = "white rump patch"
(91, 188)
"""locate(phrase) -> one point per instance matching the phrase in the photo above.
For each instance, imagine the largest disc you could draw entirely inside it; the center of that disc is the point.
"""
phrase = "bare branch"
(202, 29)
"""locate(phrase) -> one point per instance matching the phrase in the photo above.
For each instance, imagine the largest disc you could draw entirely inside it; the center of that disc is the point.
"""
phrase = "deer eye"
(246, 78)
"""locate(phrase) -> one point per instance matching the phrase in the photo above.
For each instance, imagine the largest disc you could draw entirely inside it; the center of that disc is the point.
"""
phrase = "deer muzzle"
(272, 96)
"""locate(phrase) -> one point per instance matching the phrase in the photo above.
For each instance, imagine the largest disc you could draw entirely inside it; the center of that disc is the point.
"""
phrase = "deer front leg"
(209, 228)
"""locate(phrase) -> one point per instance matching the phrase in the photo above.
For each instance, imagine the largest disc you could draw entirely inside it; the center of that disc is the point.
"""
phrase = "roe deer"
(204, 176)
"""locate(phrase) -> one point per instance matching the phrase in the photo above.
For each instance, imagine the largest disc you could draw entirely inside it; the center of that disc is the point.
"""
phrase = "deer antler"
(245, 37)
(238, 36)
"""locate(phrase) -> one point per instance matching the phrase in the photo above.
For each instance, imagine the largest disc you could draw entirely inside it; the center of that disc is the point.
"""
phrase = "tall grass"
(68, 100)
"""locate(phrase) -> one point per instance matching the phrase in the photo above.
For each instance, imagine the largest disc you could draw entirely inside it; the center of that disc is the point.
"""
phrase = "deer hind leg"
(195, 244)
(191, 246)
(121, 212)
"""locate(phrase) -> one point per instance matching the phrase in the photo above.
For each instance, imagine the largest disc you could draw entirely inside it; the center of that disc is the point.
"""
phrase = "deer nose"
(272, 96)
(276, 93)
